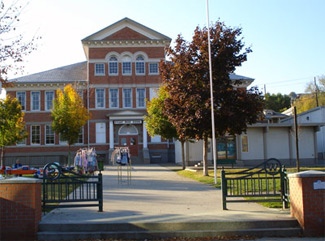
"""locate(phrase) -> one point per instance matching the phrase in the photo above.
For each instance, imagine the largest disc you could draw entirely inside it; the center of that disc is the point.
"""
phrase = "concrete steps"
(80, 231)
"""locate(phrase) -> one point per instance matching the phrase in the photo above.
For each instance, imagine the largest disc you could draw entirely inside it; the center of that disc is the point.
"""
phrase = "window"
(35, 135)
(49, 97)
(35, 101)
(153, 93)
(153, 68)
(49, 135)
(139, 65)
(156, 138)
(126, 65)
(21, 97)
(22, 142)
(100, 132)
(61, 141)
(113, 98)
(226, 147)
(244, 144)
(80, 136)
(113, 66)
(127, 98)
(99, 69)
(100, 98)
(141, 96)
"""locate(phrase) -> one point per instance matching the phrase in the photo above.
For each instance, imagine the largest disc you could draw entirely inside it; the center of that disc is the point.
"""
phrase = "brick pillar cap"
(21, 180)
(311, 173)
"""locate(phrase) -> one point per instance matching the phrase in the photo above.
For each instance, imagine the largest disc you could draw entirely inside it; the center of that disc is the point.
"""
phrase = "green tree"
(186, 78)
(68, 115)
(12, 125)
(313, 94)
(277, 102)
(157, 122)
(14, 45)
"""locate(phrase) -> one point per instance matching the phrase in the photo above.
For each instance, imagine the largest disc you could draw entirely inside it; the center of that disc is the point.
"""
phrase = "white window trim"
(63, 143)
(31, 136)
(45, 135)
(99, 74)
(45, 100)
(153, 73)
(31, 100)
(97, 107)
(118, 99)
(131, 97)
(137, 99)
(25, 98)
(82, 133)
(113, 74)
(127, 74)
(140, 61)
(105, 133)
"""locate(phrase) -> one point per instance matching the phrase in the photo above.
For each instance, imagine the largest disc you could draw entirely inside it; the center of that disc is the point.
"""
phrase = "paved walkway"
(158, 194)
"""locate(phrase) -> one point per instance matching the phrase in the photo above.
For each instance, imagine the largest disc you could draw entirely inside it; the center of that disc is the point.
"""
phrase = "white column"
(111, 135)
(145, 139)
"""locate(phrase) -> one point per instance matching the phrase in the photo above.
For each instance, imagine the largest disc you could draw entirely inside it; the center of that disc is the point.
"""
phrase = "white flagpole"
(212, 107)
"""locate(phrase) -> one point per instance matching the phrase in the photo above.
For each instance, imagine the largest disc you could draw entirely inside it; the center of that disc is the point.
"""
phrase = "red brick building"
(120, 73)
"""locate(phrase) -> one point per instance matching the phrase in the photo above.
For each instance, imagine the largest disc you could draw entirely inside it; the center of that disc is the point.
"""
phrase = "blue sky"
(286, 36)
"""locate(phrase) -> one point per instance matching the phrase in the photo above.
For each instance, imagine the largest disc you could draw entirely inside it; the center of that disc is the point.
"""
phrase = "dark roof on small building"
(68, 73)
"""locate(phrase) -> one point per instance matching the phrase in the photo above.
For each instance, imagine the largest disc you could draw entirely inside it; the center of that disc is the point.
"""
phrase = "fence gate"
(69, 189)
(268, 180)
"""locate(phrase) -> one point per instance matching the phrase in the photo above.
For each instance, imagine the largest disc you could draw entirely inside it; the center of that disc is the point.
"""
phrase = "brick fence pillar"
(20, 208)
(307, 201)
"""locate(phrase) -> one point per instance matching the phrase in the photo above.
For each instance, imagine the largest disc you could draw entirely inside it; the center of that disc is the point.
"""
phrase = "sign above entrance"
(123, 122)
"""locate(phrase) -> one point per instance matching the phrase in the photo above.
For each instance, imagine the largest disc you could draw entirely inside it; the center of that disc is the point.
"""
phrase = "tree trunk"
(2, 154)
(69, 161)
(205, 157)
(183, 155)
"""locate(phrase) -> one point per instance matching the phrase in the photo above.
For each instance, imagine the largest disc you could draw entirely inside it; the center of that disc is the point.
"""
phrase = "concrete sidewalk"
(158, 194)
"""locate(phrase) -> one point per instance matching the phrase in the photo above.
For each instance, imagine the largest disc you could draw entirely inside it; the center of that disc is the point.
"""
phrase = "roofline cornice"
(123, 43)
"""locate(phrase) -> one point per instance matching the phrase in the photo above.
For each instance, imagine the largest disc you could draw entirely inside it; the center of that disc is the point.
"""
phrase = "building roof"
(68, 73)
(123, 23)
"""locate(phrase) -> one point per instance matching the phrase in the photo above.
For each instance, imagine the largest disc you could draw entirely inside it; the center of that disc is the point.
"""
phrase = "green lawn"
(210, 180)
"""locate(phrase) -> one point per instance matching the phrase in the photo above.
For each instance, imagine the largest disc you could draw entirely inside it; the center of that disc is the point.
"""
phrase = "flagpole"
(212, 106)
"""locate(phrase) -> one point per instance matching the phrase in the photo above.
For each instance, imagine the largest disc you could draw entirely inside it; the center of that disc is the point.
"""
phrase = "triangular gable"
(121, 28)
(126, 33)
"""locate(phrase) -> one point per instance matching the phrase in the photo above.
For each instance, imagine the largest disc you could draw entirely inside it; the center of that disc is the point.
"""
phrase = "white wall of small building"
(263, 143)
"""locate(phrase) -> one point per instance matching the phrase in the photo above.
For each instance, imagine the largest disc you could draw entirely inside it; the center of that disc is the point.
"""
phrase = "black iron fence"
(267, 182)
(69, 189)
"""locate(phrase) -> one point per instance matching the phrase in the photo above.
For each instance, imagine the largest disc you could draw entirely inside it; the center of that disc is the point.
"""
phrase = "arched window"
(126, 65)
(139, 65)
(113, 66)
(128, 130)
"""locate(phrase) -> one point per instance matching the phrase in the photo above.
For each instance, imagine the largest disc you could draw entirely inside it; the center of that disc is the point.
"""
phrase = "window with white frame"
(100, 98)
(49, 135)
(22, 142)
(35, 101)
(153, 93)
(21, 97)
(100, 69)
(127, 98)
(101, 132)
(35, 135)
(80, 136)
(113, 66)
(156, 138)
(49, 97)
(141, 97)
(139, 65)
(61, 141)
(113, 98)
(153, 68)
(126, 65)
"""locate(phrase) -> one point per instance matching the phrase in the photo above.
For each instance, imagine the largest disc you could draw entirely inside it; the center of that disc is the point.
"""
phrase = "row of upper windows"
(126, 64)
(49, 136)
(126, 97)
(100, 99)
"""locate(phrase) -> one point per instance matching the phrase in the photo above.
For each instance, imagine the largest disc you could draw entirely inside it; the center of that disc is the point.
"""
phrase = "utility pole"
(264, 90)
(296, 135)
(316, 91)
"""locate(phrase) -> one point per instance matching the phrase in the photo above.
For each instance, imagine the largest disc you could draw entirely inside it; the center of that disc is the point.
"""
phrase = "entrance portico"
(127, 128)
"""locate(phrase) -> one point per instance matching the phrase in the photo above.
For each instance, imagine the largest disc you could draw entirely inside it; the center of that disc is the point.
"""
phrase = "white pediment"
(126, 23)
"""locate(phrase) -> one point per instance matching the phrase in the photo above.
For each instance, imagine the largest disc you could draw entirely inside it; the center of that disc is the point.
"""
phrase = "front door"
(132, 142)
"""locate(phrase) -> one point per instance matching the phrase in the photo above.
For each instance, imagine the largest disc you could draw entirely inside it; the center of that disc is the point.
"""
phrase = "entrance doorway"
(131, 142)
(128, 136)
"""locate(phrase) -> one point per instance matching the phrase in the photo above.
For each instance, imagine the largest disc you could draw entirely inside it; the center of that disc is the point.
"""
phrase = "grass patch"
(199, 177)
